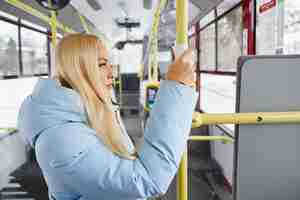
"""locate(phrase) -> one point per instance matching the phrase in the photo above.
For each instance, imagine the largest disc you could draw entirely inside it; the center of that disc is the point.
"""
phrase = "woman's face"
(104, 66)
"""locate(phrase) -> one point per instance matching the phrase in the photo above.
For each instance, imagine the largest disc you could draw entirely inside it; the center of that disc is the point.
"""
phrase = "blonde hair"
(77, 68)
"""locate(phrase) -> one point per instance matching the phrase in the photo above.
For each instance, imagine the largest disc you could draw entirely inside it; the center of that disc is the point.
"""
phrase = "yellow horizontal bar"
(7, 129)
(225, 139)
(65, 28)
(28, 9)
(246, 118)
(19, 4)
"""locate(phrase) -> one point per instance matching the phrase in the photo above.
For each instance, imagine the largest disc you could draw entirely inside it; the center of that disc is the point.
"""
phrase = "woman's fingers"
(183, 68)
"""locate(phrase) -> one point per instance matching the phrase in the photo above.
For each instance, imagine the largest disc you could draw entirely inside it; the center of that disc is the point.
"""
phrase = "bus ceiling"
(103, 16)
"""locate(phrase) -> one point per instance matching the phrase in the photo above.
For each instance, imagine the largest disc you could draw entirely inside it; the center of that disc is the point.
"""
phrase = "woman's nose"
(110, 68)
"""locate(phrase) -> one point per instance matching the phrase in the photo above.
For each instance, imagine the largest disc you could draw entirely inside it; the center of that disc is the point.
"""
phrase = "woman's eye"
(102, 64)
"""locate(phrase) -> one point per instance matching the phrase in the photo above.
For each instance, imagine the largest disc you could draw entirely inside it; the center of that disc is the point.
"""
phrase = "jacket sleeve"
(101, 173)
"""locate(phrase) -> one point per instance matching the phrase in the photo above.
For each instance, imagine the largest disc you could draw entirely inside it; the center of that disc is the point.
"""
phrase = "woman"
(79, 144)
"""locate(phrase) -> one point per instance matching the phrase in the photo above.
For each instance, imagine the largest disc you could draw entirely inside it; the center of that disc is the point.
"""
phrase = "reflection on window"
(230, 40)
(208, 48)
(9, 50)
(292, 26)
(207, 19)
(34, 52)
(226, 5)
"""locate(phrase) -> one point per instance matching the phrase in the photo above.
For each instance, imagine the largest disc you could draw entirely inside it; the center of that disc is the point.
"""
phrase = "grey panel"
(267, 156)
(70, 17)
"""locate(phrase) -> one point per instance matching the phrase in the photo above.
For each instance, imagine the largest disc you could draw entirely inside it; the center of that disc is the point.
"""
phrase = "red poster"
(266, 5)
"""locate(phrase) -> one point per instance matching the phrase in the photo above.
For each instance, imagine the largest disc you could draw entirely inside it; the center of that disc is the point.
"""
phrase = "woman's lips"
(109, 81)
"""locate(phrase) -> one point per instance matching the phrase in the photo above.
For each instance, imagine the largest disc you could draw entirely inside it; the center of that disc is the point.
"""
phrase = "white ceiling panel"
(104, 19)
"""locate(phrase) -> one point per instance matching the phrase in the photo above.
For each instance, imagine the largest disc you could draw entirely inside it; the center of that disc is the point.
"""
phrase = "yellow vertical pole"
(182, 178)
(181, 26)
(53, 23)
(153, 43)
(53, 28)
(181, 45)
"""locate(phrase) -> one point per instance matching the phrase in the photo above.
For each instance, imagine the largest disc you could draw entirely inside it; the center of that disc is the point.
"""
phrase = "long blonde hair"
(77, 68)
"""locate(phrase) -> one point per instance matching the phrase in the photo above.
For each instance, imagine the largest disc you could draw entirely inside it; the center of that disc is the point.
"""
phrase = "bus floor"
(205, 181)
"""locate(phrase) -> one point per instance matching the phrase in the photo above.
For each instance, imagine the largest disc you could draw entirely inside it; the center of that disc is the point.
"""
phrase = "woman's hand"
(183, 68)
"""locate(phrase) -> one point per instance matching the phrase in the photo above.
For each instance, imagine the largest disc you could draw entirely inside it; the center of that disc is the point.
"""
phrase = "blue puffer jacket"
(76, 164)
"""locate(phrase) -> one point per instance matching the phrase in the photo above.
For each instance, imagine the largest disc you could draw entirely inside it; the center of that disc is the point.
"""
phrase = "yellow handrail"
(245, 118)
(7, 130)
(53, 28)
(83, 23)
(19, 4)
(233, 118)
(224, 139)
(153, 43)
(182, 22)
(181, 45)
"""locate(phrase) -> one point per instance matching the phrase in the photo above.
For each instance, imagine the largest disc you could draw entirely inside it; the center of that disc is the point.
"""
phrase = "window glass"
(230, 40)
(218, 94)
(266, 29)
(9, 49)
(208, 48)
(34, 52)
(292, 26)
(278, 27)
(207, 19)
(226, 5)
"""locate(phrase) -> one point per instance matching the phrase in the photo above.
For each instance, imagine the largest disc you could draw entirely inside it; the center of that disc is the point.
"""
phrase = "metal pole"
(84, 24)
(181, 45)
(246, 118)
(53, 29)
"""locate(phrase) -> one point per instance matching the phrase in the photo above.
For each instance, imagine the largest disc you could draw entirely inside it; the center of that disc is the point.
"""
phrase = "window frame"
(217, 71)
(215, 23)
(20, 25)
